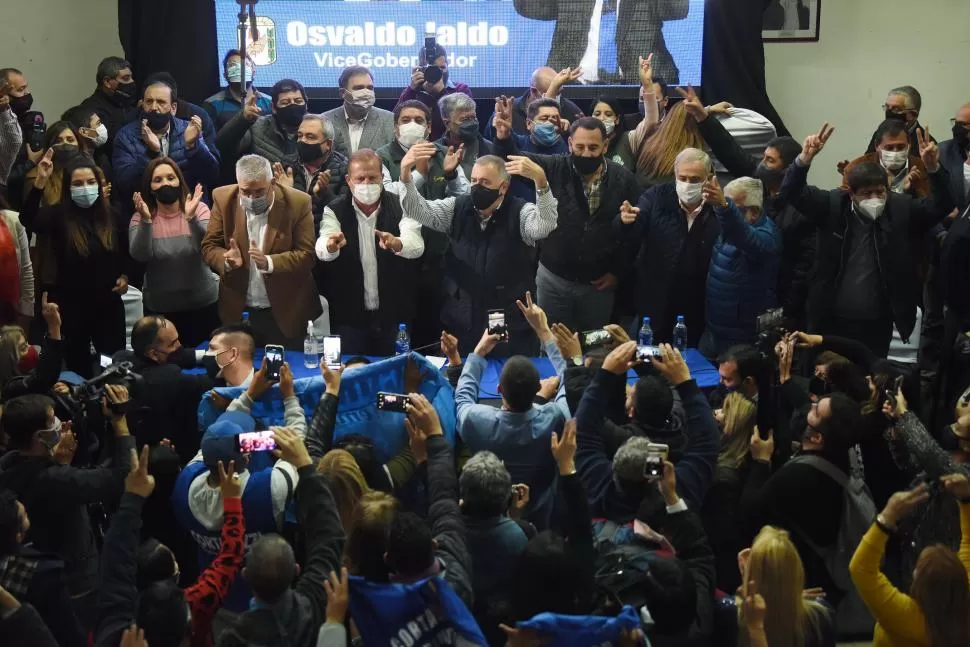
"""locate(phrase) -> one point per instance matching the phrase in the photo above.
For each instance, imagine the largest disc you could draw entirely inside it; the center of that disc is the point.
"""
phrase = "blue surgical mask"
(84, 196)
(234, 73)
(50, 437)
(546, 134)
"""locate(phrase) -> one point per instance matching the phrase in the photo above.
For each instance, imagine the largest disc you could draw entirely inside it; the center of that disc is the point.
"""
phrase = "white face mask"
(871, 208)
(410, 134)
(363, 98)
(102, 137)
(609, 124)
(689, 193)
(894, 160)
(367, 193)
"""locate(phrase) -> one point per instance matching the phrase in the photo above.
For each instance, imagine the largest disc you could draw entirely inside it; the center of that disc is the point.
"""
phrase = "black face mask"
(20, 105)
(586, 165)
(168, 194)
(291, 115)
(771, 177)
(896, 116)
(64, 153)
(961, 134)
(125, 92)
(482, 196)
(468, 130)
(157, 121)
(308, 152)
(818, 386)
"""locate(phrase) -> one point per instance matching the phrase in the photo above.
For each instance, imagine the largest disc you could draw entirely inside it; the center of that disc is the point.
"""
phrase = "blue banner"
(488, 43)
(357, 412)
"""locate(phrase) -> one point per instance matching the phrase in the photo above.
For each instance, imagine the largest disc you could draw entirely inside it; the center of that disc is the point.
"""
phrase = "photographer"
(429, 83)
(56, 494)
(22, 371)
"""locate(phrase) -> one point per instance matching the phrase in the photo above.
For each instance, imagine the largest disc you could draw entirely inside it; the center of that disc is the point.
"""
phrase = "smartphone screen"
(593, 338)
(393, 402)
(274, 362)
(105, 361)
(496, 323)
(255, 441)
(644, 353)
(331, 351)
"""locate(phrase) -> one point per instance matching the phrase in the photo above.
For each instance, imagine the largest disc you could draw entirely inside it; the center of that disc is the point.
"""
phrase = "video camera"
(432, 73)
(35, 130)
(770, 331)
(120, 373)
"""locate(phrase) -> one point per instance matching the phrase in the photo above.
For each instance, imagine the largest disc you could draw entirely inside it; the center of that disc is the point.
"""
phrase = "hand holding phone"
(394, 402)
(256, 441)
(496, 323)
(331, 352)
(274, 362)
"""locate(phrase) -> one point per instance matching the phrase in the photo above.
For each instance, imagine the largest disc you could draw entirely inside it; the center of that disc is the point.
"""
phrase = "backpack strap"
(824, 466)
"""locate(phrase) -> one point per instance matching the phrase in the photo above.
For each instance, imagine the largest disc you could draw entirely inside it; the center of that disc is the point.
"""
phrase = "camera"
(653, 468)
(770, 327)
(594, 338)
(35, 129)
(120, 373)
(432, 73)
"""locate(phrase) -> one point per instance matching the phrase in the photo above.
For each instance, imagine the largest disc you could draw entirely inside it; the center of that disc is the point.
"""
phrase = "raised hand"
(229, 481)
(232, 256)
(251, 111)
(257, 256)
(646, 72)
(422, 415)
(34, 155)
(419, 152)
(338, 596)
(45, 168)
(65, 448)
(548, 387)
(141, 207)
(336, 241)
(51, 314)
(621, 358)
(449, 348)
(389, 241)
(133, 637)
(453, 158)
(563, 76)
(151, 139)
(914, 175)
(502, 122)
(815, 142)
(121, 285)
(762, 449)
(628, 213)
(671, 365)
(903, 503)
(286, 381)
(290, 447)
(417, 78)
(564, 448)
(521, 165)
(567, 341)
(283, 176)
(929, 152)
(139, 481)
(193, 131)
(712, 192)
(534, 315)
(487, 343)
(192, 204)
(331, 378)
(692, 103)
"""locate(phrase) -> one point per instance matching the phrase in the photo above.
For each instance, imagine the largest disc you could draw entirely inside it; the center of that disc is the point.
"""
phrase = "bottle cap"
(402, 326)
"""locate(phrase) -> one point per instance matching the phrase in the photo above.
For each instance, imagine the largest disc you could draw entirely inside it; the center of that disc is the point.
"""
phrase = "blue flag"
(582, 631)
(357, 412)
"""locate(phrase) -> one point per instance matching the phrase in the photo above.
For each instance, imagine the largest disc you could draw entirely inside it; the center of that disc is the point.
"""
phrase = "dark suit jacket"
(289, 242)
(952, 157)
(378, 129)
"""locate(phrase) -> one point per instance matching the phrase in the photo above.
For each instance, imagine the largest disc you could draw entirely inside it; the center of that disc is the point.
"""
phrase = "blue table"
(701, 370)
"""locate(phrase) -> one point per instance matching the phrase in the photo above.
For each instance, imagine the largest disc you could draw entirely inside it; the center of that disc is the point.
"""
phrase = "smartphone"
(594, 338)
(657, 453)
(892, 392)
(105, 361)
(496, 323)
(518, 492)
(331, 352)
(393, 402)
(255, 441)
(274, 362)
(644, 353)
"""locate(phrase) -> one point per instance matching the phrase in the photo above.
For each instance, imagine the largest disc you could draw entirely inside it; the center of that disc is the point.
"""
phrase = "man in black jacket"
(542, 78)
(866, 278)
(580, 262)
(798, 234)
(115, 97)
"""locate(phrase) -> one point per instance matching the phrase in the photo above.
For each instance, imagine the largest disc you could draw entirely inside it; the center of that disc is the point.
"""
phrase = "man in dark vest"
(491, 259)
(371, 251)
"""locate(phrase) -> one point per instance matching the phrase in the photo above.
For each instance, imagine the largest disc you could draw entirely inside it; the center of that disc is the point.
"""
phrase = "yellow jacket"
(899, 620)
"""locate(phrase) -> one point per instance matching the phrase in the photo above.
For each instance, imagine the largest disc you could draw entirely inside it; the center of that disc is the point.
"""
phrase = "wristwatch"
(542, 191)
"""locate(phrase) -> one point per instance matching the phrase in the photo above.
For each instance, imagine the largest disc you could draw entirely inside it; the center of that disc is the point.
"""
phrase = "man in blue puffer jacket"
(743, 274)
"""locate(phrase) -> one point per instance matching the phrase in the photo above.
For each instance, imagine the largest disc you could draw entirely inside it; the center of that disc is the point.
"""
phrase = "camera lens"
(432, 74)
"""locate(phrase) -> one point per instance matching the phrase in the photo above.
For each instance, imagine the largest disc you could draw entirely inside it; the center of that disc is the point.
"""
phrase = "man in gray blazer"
(357, 123)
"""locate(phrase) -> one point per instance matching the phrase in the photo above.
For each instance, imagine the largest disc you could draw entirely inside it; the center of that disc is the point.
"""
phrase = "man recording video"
(430, 82)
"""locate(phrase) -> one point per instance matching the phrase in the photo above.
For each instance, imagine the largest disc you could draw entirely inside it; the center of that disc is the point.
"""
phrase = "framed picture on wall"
(791, 20)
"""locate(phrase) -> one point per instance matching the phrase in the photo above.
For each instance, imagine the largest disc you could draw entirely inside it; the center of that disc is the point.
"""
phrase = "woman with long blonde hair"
(656, 155)
(774, 569)
(740, 415)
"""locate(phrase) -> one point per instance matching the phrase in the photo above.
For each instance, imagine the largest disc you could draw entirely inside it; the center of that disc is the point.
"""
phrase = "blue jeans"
(579, 306)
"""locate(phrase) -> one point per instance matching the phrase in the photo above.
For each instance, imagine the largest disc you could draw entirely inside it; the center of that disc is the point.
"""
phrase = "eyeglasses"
(893, 109)
(954, 122)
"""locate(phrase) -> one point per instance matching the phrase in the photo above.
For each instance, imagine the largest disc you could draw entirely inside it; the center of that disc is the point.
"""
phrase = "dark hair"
(548, 578)
(536, 105)
(352, 71)
(671, 594)
(840, 428)
(163, 78)
(653, 401)
(663, 85)
(98, 214)
(747, 359)
(788, 148)
(163, 614)
(54, 131)
(357, 359)
(286, 85)
(9, 523)
(588, 123)
(235, 52)
(847, 378)
(270, 567)
(155, 563)
(410, 549)
(866, 175)
(145, 332)
(519, 382)
(237, 329)
(23, 416)
(891, 127)
(362, 450)
(411, 103)
(439, 51)
(79, 116)
(109, 67)
(617, 109)
(146, 182)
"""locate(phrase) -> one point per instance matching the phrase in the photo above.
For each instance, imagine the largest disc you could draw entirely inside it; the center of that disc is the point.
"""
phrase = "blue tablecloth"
(700, 369)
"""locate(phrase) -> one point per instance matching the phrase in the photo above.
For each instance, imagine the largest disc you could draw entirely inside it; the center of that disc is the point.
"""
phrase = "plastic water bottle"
(245, 317)
(646, 333)
(680, 334)
(402, 343)
(311, 349)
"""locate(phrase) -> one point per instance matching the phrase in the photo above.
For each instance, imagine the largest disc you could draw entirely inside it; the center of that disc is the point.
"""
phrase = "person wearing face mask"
(903, 104)
(955, 157)
(905, 170)
(229, 358)
(22, 369)
(492, 235)
(867, 279)
(581, 260)
(321, 169)
(187, 110)
(115, 97)
(674, 231)
(93, 136)
(260, 243)
(226, 103)
(462, 129)
(56, 494)
(159, 133)
(165, 233)
(430, 91)
(540, 84)
(370, 248)
(89, 278)
(14, 95)
(544, 137)
(272, 135)
(357, 123)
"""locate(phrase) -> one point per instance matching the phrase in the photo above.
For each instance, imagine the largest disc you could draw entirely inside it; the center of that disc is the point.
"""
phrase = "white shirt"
(256, 295)
(590, 61)
(355, 129)
(966, 176)
(411, 241)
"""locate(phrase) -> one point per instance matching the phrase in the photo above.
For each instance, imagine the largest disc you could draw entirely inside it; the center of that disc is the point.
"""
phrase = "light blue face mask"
(546, 134)
(84, 196)
(234, 73)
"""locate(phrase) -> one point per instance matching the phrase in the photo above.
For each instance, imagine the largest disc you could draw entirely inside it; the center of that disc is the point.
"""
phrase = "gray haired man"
(462, 129)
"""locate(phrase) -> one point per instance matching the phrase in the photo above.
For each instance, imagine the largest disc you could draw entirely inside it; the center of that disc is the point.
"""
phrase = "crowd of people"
(617, 502)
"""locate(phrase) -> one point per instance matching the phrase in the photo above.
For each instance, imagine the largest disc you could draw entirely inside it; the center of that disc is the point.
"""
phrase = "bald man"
(538, 85)
(953, 156)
